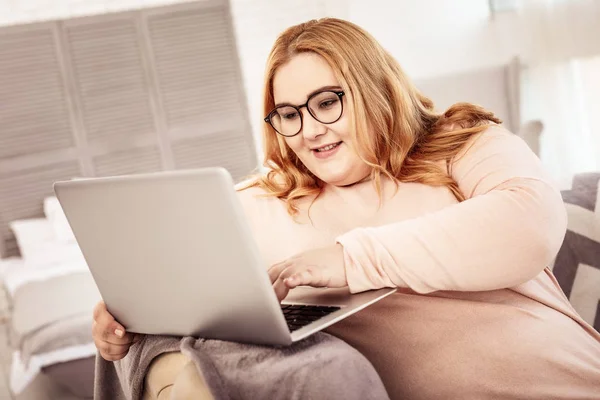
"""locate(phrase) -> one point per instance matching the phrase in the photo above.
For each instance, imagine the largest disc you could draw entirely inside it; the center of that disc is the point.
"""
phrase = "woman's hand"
(110, 337)
(322, 267)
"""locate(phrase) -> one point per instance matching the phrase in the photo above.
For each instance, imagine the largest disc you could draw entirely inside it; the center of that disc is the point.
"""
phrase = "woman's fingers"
(294, 276)
(127, 339)
(114, 357)
(107, 327)
(105, 319)
(304, 277)
(115, 348)
(279, 285)
(280, 288)
(111, 331)
(276, 270)
(99, 309)
(110, 349)
(299, 275)
(110, 337)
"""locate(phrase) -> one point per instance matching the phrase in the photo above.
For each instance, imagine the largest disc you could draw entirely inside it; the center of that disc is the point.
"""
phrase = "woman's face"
(327, 150)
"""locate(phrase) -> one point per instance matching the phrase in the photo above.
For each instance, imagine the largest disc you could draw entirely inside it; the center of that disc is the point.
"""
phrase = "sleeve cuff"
(362, 272)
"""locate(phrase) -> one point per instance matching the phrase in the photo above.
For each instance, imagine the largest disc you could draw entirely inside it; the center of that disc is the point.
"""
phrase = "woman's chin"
(339, 179)
(341, 172)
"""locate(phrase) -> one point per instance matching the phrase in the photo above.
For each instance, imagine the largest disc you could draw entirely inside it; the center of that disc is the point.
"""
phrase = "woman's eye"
(290, 115)
(326, 103)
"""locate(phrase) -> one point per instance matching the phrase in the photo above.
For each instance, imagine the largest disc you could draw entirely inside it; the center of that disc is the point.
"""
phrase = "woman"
(368, 188)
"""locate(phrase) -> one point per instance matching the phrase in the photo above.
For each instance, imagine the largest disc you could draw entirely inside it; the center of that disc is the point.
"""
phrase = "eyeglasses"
(326, 107)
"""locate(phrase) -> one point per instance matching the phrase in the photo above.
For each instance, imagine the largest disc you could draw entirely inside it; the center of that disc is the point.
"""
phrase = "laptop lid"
(172, 253)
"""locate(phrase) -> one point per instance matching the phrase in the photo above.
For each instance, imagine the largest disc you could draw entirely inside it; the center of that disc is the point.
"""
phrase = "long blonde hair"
(396, 131)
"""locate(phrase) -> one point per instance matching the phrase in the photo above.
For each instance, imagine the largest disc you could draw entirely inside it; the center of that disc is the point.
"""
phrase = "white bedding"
(16, 272)
(40, 296)
(44, 294)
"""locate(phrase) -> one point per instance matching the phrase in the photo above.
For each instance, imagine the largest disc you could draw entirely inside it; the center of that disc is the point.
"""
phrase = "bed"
(50, 295)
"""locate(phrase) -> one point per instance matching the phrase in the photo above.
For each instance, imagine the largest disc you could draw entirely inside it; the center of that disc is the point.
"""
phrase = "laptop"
(172, 254)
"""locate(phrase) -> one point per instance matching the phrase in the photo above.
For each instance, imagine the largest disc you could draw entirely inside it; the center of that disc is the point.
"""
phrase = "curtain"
(561, 83)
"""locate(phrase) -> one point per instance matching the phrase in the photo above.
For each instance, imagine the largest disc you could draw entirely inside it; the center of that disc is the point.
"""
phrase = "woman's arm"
(508, 230)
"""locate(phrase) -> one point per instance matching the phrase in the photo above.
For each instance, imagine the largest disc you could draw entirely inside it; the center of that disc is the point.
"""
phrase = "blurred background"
(109, 87)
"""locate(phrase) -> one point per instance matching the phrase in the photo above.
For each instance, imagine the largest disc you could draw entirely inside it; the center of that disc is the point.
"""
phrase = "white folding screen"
(130, 92)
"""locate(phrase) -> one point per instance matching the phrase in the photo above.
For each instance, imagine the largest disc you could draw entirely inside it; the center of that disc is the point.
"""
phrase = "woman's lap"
(317, 368)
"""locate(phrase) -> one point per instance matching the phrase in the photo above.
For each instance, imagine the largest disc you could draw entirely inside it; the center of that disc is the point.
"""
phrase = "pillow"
(32, 236)
(38, 244)
(54, 213)
(577, 265)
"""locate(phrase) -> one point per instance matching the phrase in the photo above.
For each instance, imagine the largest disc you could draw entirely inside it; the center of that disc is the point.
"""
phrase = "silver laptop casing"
(172, 254)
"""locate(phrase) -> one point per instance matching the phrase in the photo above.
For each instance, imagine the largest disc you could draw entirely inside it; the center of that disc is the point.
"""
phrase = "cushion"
(577, 265)
(54, 213)
(32, 236)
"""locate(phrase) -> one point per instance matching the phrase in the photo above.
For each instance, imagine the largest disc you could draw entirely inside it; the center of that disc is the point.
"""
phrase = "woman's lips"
(323, 154)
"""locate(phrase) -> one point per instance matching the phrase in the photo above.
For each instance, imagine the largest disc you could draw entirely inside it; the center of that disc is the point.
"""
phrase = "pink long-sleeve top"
(478, 314)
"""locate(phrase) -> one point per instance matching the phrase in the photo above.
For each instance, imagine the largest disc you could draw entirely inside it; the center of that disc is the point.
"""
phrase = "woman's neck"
(364, 189)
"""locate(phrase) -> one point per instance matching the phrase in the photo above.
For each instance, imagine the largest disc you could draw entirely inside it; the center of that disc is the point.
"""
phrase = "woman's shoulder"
(255, 198)
(249, 188)
(494, 139)
(492, 132)
(501, 133)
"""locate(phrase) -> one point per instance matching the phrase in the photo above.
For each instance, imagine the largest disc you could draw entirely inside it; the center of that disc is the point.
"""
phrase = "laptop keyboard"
(299, 315)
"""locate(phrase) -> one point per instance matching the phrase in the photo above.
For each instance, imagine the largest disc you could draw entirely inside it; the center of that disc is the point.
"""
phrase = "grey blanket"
(319, 367)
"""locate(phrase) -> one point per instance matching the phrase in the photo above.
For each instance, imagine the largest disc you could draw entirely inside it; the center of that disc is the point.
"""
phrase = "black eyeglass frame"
(339, 93)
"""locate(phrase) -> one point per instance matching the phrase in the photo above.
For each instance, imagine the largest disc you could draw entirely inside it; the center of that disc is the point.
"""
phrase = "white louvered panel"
(223, 149)
(196, 64)
(184, 108)
(33, 111)
(22, 195)
(109, 77)
(131, 161)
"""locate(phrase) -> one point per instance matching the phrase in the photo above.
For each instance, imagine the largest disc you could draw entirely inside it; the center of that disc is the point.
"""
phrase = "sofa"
(577, 265)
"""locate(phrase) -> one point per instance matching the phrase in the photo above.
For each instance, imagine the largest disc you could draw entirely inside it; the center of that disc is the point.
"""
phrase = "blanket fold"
(319, 367)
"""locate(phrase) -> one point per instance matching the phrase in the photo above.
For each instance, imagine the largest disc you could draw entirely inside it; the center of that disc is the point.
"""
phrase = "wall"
(435, 37)
(23, 11)
(429, 37)
(258, 23)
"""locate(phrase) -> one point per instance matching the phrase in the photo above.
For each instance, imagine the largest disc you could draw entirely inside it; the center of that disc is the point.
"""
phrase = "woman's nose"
(311, 128)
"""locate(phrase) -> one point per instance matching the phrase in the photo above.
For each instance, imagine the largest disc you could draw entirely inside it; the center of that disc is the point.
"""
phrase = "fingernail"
(119, 333)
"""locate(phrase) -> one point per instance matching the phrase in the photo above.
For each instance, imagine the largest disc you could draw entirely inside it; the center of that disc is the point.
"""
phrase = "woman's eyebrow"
(321, 89)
